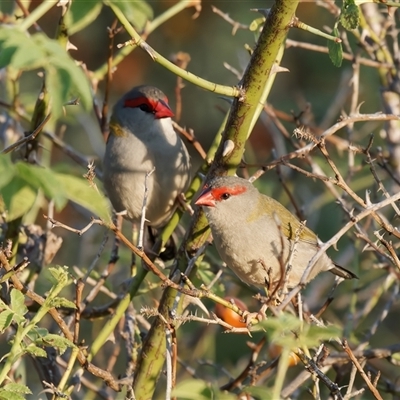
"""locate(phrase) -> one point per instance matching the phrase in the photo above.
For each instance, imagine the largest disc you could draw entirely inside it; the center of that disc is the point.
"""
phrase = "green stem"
(168, 14)
(138, 41)
(153, 25)
(256, 83)
(68, 371)
(315, 31)
(281, 374)
(15, 351)
(110, 325)
(36, 14)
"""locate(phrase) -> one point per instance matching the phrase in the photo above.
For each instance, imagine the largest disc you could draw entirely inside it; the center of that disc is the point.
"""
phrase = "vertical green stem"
(256, 83)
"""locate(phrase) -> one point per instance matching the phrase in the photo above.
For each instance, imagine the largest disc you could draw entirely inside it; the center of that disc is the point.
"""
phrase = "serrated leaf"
(44, 179)
(18, 198)
(280, 331)
(81, 14)
(36, 351)
(335, 50)
(6, 317)
(137, 12)
(350, 15)
(278, 326)
(61, 343)
(7, 395)
(18, 302)
(80, 192)
(62, 302)
(60, 275)
(312, 335)
(17, 388)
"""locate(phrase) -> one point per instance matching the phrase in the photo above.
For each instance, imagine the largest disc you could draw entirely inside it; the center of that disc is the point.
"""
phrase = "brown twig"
(26, 14)
(191, 138)
(323, 49)
(354, 360)
(255, 352)
(369, 210)
(182, 60)
(28, 138)
(235, 25)
(141, 254)
(112, 32)
(78, 293)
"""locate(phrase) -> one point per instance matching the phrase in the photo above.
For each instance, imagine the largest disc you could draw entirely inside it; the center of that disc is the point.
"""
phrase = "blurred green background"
(311, 81)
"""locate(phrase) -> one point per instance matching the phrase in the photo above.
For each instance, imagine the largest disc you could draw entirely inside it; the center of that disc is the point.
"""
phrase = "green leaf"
(60, 275)
(18, 50)
(137, 12)
(18, 198)
(52, 340)
(6, 395)
(36, 351)
(196, 389)
(350, 15)
(11, 395)
(7, 169)
(6, 55)
(18, 302)
(62, 302)
(77, 84)
(335, 50)
(37, 332)
(280, 331)
(259, 392)
(81, 14)
(17, 388)
(80, 192)
(6, 317)
(44, 179)
(65, 80)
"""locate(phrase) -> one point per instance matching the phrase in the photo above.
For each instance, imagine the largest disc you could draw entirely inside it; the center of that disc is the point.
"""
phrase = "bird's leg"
(250, 317)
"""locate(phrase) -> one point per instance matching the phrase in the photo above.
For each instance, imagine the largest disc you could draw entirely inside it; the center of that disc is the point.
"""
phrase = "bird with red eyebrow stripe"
(255, 235)
(142, 138)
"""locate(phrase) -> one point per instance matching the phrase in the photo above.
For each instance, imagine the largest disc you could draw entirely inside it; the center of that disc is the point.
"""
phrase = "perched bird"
(142, 138)
(254, 234)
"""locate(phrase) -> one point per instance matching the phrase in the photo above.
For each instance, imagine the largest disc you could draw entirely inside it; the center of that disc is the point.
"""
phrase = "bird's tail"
(343, 272)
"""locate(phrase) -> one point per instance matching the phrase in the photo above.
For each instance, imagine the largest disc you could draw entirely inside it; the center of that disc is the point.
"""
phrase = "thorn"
(229, 146)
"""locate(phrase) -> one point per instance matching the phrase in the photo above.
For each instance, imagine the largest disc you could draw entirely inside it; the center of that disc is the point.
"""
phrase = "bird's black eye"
(225, 196)
(145, 107)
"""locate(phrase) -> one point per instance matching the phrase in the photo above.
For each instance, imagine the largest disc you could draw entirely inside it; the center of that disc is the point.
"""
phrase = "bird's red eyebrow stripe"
(138, 101)
(218, 192)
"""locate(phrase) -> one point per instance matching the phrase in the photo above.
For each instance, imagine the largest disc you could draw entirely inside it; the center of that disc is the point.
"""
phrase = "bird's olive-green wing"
(289, 224)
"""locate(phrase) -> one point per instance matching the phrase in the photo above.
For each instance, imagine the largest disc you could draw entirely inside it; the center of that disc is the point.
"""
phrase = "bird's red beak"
(206, 198)
(162, 110)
